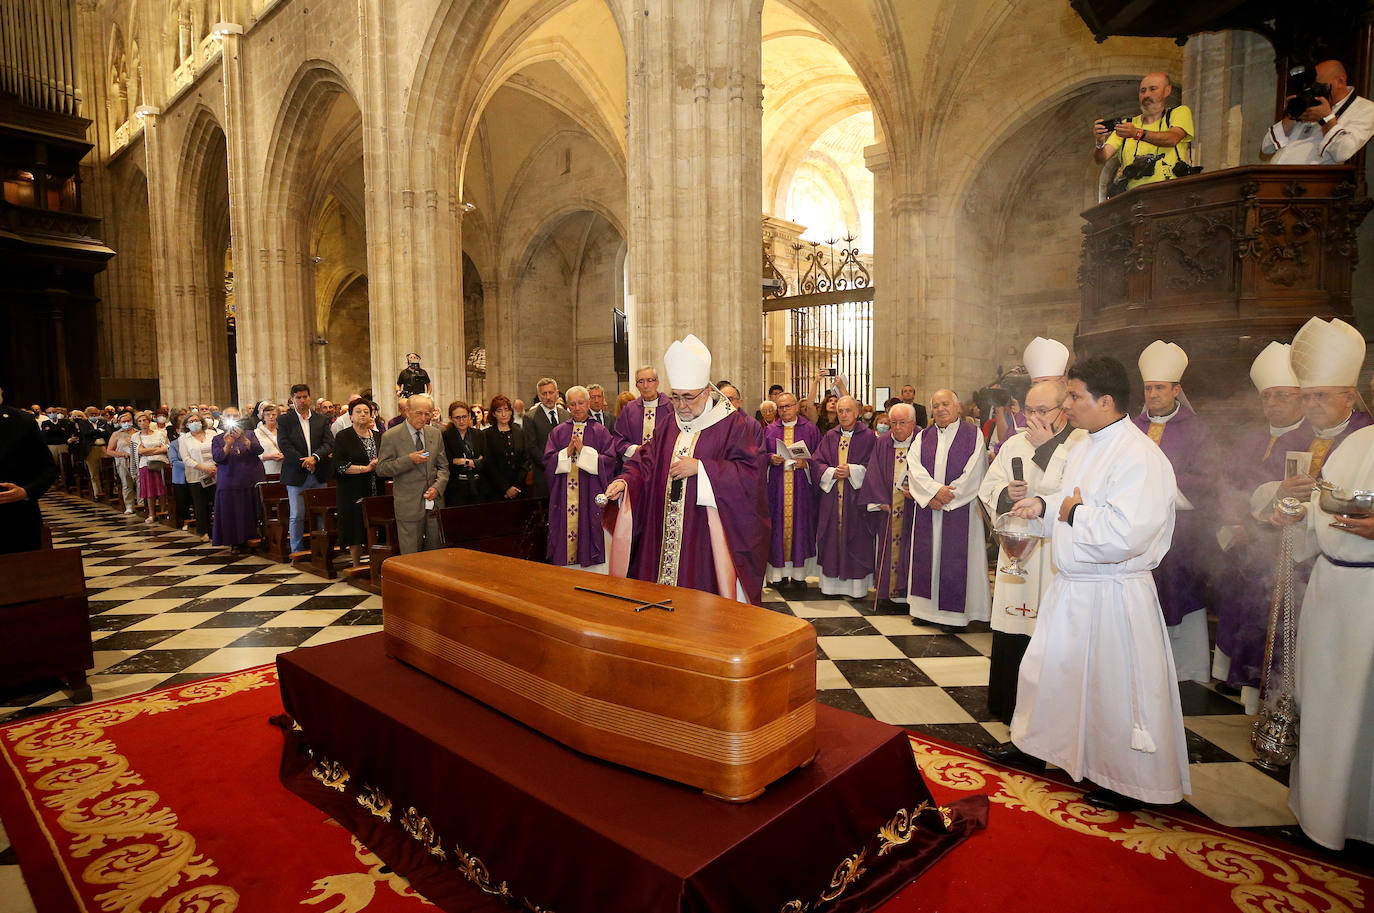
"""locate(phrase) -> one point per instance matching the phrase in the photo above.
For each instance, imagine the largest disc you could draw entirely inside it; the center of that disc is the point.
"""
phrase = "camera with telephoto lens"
(1302, 83)
(989, 398)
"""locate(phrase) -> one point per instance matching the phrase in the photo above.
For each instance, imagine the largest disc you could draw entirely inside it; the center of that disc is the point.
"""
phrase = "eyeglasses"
(1043, 412)
(678, 400)
(1321, 397)
(646, 380)
(1278, 396)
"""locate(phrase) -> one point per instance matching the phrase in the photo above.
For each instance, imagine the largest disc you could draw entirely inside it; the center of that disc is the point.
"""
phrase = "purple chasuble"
(1183, 576)
(844, 535)
(586, 514)
(236, 497)
(953, 528)
(890, 580)
(730, 457)
(804, 497)
(629, 425)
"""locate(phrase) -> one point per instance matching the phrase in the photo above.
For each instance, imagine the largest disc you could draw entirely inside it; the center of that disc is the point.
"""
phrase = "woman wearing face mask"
(181, 492)
(237, 454)
(355, 464)
(267, 436)
(200, 472)
(118, 448)
(150, 449)
(880, 423)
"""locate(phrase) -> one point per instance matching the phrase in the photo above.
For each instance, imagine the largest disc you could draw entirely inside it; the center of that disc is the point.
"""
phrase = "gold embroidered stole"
(1270, 449)
(896, 527)
(670, 551)
(787, 500)
(649, 410)
(1156, 431)
(571, 520)
(843, 461)
(1319, 450)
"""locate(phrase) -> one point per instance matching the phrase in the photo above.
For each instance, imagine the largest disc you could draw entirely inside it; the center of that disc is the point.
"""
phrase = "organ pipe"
(38, 54)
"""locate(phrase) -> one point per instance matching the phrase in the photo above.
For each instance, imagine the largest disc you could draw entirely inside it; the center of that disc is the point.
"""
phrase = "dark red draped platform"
(479, 810)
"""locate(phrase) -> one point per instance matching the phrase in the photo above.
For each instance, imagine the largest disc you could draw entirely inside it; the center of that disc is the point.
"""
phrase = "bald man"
(844, 533)
(885, 490)
(949, 570)
(1159, 129)
(1326, 133)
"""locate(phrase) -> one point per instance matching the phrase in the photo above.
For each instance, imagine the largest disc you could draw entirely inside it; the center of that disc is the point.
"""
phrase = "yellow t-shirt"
(1127, 149)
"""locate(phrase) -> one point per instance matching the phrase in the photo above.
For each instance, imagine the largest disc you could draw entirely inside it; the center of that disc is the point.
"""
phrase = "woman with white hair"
(266, 433)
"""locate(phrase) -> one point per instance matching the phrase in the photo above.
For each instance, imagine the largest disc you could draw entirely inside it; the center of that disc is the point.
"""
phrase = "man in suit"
(600, 412)
(412, 455)
(539, 421)
(909, 397)
(306, 444)
(26, 471)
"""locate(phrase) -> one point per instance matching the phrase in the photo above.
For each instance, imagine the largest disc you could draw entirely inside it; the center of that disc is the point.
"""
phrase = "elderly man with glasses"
(640, 417)
(1030, 464)
(693, 509)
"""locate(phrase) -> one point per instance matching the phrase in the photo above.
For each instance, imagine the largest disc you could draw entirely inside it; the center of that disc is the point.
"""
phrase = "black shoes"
(1008, 755)
(1109, 800)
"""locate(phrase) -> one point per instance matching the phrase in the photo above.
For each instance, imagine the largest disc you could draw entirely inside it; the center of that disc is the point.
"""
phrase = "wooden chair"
(109, 483)
(276, 520)
(518, 529)
(82, 475)
(45, 618)
(166, 512)
(322, 525)
(379, 518)
(64, 473)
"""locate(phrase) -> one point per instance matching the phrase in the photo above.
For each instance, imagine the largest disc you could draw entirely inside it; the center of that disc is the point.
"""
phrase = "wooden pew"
(517, 529)
(276, 520)
(81, 473)
(45, 625)
(166, 512)
(109, 483)
(379, 518)
(322, 526)
(63, 483)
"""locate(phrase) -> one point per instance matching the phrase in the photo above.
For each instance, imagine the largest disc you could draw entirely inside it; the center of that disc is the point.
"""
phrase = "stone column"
(903, 344)
(694, 181)
(1229, 83)
(414, 228)
(180, 363)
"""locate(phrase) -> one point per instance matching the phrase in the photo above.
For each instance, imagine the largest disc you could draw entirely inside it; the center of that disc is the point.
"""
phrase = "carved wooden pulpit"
(1220, 263)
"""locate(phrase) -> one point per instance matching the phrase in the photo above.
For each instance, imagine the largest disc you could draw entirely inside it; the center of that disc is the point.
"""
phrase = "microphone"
(1016, 470)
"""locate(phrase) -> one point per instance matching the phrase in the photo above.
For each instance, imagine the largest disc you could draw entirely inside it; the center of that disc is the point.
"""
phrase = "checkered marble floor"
(167, 609)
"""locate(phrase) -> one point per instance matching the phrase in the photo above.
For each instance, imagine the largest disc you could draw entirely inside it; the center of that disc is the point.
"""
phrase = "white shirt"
(1305, 144)
(305, 430)
(269, 448)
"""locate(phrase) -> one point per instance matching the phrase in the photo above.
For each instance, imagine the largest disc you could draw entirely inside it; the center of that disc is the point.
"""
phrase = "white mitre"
(1327, 353)
(1045, 357)
(1163, 362)
(688, 364)
(1271, 368)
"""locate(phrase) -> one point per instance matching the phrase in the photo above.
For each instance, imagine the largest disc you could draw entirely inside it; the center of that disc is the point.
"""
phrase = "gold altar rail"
(37, 54)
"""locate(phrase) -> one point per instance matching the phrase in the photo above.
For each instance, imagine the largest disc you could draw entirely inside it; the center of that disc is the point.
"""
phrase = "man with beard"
(694, 508)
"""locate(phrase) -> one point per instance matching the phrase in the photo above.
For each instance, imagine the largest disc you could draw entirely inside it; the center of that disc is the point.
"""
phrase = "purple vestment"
(891, 569)
(844, 533)
(804, 496)
(629, 425)
(1183, 577)
(591, 539)
(954, 528)
(1247, 583)
(730, 458)
(236, 496)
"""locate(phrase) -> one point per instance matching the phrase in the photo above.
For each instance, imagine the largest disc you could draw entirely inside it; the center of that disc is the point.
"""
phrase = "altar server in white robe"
(1332, 779)
(1097, 693)
(1031, 463)
(948, 584)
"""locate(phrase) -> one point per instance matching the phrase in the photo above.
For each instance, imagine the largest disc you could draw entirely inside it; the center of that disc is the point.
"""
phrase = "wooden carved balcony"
(1221, 263)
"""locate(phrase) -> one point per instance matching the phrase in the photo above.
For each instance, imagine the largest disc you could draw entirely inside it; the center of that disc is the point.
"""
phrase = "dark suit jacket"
(26, 462)
(291, 440)
(921, 419)
(537, 428)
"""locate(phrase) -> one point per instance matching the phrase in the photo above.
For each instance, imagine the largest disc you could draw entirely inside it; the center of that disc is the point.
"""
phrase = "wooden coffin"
(716, 694)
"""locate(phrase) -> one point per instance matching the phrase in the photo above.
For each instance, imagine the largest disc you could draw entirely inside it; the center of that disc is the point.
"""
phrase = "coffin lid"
(704, 633)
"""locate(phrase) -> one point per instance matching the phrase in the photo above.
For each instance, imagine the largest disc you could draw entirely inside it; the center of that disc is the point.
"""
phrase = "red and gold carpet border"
(1263, 879)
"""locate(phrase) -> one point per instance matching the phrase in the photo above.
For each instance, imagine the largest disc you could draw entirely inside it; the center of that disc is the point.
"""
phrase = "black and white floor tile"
(167, 609)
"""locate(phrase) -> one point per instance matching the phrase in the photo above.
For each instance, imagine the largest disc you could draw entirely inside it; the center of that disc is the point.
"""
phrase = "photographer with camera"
(1153, 145)
(1324, 121)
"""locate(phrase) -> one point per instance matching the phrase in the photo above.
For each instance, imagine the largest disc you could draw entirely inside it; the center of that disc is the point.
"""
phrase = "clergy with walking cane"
(412, 454)
(885, 492)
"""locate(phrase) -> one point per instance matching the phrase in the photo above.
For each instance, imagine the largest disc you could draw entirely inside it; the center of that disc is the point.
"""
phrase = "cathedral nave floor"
(166, 610)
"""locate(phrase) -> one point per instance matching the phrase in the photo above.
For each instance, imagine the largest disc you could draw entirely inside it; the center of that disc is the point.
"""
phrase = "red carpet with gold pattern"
(169, 801)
